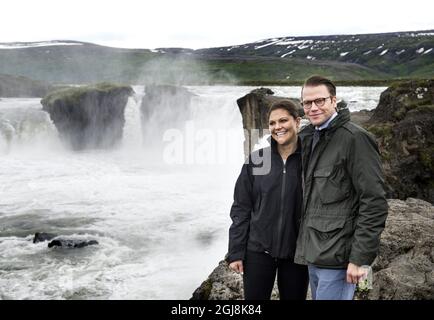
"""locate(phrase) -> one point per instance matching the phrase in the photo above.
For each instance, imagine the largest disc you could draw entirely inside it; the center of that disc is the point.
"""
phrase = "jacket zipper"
(282, 196)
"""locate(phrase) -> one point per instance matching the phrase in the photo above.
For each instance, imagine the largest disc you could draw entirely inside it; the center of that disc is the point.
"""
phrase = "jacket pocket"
(332, 184)
(326, 245)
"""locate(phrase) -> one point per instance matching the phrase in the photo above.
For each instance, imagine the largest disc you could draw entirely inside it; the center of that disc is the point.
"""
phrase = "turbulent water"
(160, 214)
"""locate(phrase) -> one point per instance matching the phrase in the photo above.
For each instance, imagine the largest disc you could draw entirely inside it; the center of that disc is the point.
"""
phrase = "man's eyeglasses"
(319, 102)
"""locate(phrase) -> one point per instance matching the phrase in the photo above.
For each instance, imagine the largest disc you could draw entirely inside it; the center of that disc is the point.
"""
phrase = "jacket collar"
(273, 145)
(342, 118)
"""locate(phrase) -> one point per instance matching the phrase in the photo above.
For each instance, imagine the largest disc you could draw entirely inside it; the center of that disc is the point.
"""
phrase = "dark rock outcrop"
(59, 241)
(89, 116)
(404, 268)
(254, 108)
(42, 236)
(22, 87)
(69, 243)
(403, 124)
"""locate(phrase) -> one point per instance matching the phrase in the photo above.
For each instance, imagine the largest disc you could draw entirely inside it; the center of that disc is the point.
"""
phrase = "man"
(344, 205)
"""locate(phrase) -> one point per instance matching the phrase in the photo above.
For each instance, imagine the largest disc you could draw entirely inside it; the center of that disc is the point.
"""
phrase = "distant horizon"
(196, 24)
(234, 44)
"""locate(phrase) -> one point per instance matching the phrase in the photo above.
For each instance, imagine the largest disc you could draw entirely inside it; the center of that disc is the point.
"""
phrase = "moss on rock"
(403, 124)
(426, 157)
(74, 95)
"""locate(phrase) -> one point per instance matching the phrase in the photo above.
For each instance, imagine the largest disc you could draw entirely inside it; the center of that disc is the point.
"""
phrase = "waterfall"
(24, 125)
(132, 136)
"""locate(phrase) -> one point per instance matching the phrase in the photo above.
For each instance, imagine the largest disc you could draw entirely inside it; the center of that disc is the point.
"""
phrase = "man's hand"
(354, 273)
(237, 266)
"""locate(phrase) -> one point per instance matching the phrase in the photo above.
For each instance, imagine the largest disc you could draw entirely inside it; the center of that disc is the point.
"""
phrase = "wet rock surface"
(43, 236)
(62, 241)
(69, 243)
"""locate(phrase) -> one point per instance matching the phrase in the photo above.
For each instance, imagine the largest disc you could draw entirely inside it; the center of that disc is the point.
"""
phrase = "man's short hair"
(316, 80)
(284, 104)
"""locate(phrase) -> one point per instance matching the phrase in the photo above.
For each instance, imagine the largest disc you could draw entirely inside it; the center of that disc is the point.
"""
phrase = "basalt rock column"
(90, 116)
(254, 108)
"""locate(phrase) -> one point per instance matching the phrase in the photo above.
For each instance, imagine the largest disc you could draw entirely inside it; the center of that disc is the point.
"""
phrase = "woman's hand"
(237, 266)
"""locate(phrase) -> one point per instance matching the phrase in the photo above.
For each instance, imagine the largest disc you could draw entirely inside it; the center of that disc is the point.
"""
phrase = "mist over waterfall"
(24, 126)
(158, 203)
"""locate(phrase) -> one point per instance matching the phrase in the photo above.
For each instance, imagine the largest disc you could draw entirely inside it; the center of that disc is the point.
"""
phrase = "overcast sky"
(199, 24)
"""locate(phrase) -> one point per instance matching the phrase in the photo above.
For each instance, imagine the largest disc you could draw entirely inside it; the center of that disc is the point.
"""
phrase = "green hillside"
(352, 58)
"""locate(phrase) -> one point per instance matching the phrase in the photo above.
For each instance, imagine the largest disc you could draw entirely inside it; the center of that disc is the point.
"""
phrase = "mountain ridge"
(349, 57)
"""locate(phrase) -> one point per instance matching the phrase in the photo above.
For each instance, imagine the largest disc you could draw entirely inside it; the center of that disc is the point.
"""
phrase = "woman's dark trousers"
(260, 273)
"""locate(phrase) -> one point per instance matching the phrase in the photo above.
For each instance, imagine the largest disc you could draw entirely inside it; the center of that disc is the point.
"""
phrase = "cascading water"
(161, 225)
(23, 124)
(132, 137)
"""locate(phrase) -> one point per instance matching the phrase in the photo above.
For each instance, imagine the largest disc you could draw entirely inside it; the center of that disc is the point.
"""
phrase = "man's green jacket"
(344, 205)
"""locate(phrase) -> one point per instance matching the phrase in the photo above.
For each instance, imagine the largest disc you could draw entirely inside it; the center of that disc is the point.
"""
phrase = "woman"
(266, 212)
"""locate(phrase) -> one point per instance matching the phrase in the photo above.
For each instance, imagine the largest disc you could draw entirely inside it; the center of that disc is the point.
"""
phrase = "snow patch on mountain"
(22, 45)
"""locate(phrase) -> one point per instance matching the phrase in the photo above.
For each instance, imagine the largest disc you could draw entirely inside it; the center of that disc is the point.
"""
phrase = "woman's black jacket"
(267, 205)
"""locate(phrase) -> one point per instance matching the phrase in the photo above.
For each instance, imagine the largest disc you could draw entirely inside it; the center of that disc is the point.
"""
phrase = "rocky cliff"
(403, 124)
(89, 116)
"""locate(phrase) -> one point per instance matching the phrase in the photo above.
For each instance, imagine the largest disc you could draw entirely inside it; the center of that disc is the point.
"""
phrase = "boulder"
(71, 243)
(404, 268)
(22, 87)
(59, 241)
(403, 124)
(43, 236)
(254, 108)
(224, 284)
(89, 116)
